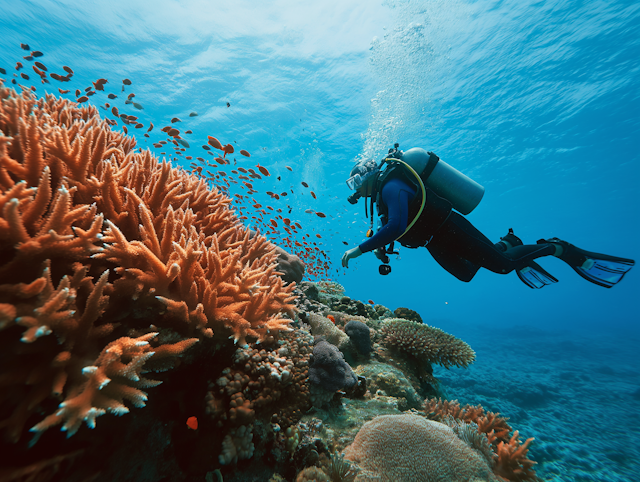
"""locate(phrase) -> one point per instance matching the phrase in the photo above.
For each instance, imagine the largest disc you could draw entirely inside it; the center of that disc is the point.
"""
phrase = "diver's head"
(362, 178)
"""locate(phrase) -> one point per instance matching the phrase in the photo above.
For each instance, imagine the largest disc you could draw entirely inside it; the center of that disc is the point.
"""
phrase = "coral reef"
(429, 343)
(99, 241)
(510, 453)
(125, 282)
(271, 380)
(408, 447)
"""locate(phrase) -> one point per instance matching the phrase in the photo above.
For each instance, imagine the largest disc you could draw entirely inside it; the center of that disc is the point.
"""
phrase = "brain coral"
(427, 342)
(410, 448)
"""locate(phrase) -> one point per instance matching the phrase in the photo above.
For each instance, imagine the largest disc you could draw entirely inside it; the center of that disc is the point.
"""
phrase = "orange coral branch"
(77, 198)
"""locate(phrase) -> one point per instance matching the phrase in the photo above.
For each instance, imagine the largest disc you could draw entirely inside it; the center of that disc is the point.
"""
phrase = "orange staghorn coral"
(99, 241)
(510, 458)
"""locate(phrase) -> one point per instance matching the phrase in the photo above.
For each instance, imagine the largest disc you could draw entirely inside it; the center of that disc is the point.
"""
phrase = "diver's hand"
(352, 253)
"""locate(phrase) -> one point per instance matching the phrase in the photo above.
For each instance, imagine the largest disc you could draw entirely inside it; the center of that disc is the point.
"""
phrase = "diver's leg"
(459, 267)
(469, 243)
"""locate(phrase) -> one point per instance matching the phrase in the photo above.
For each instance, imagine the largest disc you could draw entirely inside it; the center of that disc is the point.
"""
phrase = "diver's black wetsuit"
(457, 245)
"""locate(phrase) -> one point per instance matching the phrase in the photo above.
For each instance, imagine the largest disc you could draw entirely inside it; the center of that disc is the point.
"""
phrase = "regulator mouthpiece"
(354, 197)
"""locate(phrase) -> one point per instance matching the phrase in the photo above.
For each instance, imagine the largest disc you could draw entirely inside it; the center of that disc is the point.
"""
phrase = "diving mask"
(362, 173)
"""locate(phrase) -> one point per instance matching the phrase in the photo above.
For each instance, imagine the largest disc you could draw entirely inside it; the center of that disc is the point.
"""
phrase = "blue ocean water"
(537, 101)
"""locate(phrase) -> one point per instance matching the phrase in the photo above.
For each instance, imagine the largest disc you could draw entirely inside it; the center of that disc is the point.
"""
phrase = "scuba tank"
(463, 193)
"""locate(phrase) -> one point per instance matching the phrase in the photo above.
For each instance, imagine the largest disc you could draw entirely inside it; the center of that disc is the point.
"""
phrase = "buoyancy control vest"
(445, 189)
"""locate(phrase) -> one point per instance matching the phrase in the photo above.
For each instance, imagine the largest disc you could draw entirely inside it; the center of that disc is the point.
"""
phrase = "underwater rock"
(407, 314)
(353, 307)
(383, 311)
(328, 373)
(360, 336)
(310, 290)
(392, 382)
(328, 370)
(291, 267)
(321, 326)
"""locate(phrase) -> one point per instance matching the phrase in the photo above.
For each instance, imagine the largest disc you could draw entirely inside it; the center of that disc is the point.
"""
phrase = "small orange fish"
(63, 91)
(67, 69)
(321, 215)
(125, 81)
(114, 111)
(213, 142)
(150, 127)
(263, 170)
(228, 149)
(371, 302)
(289, 168)
(313, 195)
(192, 423)
(332, 318)
(244, 153)
(305, 184)
(175, 119)
(82, 99)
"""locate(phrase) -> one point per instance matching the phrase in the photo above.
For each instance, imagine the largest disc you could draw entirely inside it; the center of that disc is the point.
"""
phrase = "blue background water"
(537, 101)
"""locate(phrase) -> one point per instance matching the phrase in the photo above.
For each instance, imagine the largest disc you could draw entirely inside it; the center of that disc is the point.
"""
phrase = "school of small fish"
(241, 182)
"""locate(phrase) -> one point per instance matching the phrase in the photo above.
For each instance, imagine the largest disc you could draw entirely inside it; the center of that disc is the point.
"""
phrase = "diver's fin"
(601, 269)
(534, 276)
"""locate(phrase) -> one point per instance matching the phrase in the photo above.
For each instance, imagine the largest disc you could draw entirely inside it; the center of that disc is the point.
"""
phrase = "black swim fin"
(601, 269)
(533, 275)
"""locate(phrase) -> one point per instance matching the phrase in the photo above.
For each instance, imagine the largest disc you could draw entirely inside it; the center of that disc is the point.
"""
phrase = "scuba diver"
(419, 199)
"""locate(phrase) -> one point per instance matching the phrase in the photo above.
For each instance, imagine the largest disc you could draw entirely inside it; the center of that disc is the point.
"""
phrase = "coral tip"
(192, 423)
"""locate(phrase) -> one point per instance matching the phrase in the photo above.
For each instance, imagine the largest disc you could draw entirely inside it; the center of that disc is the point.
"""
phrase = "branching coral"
(427, 342)
(97, 239)
(510, 454)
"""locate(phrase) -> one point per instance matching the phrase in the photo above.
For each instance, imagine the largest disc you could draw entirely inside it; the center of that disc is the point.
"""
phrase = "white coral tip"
(89, 370)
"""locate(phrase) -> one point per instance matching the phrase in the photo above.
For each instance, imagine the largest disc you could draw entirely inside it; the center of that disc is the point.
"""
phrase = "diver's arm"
(397, 195)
